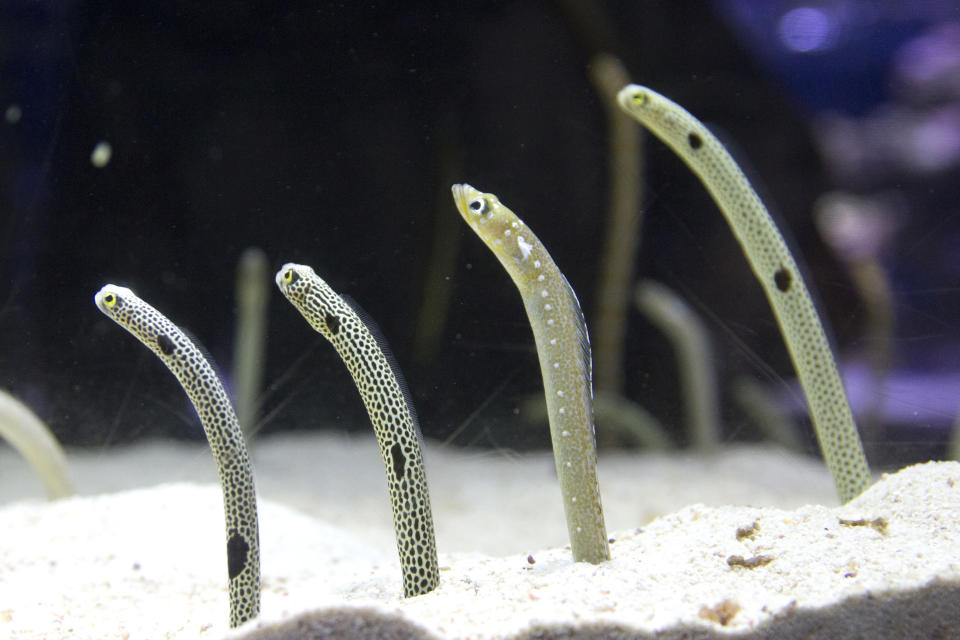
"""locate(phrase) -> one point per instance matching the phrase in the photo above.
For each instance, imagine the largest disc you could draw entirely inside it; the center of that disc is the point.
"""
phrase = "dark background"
(329, 134)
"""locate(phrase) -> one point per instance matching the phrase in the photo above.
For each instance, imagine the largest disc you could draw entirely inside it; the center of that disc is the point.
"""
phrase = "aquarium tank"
(190, 153)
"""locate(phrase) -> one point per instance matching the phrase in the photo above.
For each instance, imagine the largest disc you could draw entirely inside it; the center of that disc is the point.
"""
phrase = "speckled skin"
(203, 387)
(774, 266)
(391, 413)
(564, 351)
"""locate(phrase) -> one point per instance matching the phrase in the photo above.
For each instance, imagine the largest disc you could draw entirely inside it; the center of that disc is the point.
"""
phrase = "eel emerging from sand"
(388, 404)
(29, 435)
(563, 347)
(198, 379)
(774, 266)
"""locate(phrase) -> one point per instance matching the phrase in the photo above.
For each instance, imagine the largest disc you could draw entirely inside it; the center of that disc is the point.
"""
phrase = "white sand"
(150, 563)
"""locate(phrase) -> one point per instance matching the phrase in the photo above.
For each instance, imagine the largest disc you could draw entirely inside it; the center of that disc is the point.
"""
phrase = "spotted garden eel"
(563, 347)
(774, 266)
(391, 412)
(198, 379)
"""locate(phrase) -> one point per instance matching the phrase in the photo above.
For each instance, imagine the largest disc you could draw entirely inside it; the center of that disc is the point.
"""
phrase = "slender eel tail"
(198, 379)
(384, 394)
(777, 272)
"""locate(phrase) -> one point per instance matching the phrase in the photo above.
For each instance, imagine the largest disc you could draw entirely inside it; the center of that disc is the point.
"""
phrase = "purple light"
(805, 29)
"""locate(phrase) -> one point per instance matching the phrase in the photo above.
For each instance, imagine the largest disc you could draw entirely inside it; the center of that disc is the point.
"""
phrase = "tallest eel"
(777, 272)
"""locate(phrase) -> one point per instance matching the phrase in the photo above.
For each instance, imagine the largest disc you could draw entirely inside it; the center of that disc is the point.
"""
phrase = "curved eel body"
(774, 266)
(200, 382)
(29, 435)
(391, 413)
(563, 347)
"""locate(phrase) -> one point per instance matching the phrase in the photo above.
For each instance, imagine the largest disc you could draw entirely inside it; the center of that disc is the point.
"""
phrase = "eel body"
(29, 435)
(198, 379)
(695, 363)
(777, 271)
(563, 348)
(388, 404)
(249, 346)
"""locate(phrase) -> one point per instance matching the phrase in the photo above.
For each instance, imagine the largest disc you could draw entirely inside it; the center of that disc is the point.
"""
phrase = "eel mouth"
(279, 277)
(100, 298)
(631, 96)
(462, 195)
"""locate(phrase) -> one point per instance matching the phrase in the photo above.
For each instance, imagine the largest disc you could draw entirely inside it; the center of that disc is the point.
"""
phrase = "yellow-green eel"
(563, 347)
(197, 377)
(388, 404)
(777, 271)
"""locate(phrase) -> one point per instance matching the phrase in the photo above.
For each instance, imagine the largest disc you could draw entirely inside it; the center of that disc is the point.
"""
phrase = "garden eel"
(625, 170)
(249, 345)
(774, 266)
(390, 408)
(197, 377)
(29, 435)
(563, 347)
(696, 367)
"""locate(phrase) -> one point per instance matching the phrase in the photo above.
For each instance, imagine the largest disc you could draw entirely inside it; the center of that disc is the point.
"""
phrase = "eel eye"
(110, 300)
(290, 276)
(478, 205)
(640, 99)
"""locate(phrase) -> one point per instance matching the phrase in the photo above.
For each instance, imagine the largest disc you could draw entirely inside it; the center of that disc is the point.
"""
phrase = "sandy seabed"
(140, 552)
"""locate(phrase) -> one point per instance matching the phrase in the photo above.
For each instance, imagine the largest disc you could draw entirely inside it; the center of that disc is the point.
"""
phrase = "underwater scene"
(625, 318)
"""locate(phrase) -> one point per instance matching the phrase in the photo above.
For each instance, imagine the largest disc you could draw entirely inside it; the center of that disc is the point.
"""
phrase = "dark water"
(329, 135)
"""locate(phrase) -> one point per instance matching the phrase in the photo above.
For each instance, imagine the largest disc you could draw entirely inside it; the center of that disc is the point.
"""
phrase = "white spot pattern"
(525, 247)
(563, 349)
(391, 414)
(203, 387)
